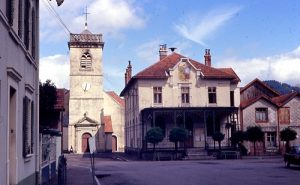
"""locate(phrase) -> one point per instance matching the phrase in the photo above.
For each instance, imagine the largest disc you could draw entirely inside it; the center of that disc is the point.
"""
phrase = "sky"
(257, 38)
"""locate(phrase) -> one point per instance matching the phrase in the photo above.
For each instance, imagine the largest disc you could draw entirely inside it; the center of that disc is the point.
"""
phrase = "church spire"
(86, 14)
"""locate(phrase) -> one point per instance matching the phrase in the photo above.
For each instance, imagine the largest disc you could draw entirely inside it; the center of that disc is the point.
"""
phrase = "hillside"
(282, 88)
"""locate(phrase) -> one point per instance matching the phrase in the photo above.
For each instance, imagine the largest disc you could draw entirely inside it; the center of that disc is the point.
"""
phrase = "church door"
(85, 142)
(114, 143)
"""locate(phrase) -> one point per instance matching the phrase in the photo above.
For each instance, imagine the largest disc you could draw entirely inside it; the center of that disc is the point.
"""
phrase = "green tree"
(288, 135)
(48, 115)
(219, 137)
(237, 137)
(154, 136)
(254, 134)
(176, 135)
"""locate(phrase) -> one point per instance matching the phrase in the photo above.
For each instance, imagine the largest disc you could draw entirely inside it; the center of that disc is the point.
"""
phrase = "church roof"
(85, 39)
(117, 98)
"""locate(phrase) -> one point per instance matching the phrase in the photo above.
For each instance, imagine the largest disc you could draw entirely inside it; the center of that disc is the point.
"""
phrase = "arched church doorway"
(114, 144)
(85, 142)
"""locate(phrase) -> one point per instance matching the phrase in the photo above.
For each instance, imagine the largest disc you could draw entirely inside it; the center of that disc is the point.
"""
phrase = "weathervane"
(86, 14)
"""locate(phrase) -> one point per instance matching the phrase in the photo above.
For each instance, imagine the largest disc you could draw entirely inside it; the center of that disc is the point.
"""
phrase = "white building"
(178, 91)
(19, 77)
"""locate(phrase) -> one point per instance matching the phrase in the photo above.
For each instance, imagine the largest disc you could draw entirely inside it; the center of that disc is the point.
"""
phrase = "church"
(93, 112)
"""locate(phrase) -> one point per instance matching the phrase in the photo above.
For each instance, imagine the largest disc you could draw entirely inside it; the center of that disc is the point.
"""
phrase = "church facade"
(92, 111)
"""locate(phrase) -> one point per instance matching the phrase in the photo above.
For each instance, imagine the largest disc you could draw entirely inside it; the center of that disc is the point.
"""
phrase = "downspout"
(37, 157)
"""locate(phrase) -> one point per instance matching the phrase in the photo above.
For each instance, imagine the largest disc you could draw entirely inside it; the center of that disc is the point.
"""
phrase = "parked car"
(293, 156)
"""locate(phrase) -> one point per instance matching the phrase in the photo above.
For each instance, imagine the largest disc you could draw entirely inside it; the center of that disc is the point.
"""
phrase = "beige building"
(264, 107)
(92, 111)
(178, 91)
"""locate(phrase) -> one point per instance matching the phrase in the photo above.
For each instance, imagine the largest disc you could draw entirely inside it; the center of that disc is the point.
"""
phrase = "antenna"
(86, 14)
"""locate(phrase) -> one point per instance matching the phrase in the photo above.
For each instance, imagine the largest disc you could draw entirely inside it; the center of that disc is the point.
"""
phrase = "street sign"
(92, 144)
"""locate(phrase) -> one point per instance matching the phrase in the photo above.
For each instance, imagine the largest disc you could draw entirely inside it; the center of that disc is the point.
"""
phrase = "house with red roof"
(264, 107)
(178, 91)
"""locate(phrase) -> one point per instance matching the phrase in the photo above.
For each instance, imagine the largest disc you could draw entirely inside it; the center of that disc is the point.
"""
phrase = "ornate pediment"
(86, 122)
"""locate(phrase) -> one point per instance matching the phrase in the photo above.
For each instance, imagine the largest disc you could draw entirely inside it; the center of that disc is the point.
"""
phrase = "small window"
(33, 34)
(261, 114)
(20, 19)
(185, 95)
(212, 95)
(157, 95)
(26, 23)
(86, 61)
(284, 115)
(28, 124)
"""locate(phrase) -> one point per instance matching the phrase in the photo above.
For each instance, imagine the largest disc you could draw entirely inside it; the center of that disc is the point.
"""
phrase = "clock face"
(86, 86)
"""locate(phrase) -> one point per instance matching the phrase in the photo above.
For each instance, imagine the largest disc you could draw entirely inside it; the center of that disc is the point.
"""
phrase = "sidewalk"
(77, 175)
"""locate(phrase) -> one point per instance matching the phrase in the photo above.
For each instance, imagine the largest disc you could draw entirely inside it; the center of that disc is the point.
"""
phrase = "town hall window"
(86, 61)
(212, 95)
(185, 95)
(261, 114)
(157, 94)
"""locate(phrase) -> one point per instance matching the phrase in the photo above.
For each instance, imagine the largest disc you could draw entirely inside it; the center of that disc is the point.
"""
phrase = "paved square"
(209, 172)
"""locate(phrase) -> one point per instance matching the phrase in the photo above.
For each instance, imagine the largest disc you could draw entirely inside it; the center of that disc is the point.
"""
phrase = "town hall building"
(92, 111)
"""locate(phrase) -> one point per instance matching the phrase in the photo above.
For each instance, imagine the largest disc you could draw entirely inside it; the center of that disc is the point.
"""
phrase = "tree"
(288, 135)
(237, 137)
(176, 135)
(154, 136)
(254, 134)
(218, 136)
(48, 115)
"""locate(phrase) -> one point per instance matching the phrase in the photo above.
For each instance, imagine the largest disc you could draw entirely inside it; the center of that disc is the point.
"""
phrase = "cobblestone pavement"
(209, 172)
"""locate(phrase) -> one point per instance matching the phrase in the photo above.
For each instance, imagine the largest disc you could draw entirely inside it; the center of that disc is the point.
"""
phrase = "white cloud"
(148, 52)
(198, 30)
(109, 17)
(57, 69)
(282, 67)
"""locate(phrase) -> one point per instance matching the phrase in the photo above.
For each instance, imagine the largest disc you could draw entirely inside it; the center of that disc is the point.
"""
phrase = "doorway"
(85, 142)
(12, 135)
(114, 143)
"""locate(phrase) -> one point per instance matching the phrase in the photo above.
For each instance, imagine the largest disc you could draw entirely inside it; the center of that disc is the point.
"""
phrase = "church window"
(86, 61)
(28, 121)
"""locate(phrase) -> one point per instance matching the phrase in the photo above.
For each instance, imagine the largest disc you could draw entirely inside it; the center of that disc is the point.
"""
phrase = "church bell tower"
(86, 88)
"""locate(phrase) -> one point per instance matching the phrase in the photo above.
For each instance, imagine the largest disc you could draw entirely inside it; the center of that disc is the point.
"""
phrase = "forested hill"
(282, 88)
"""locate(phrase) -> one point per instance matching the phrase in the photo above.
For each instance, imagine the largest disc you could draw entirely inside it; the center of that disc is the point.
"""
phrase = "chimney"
(163, 52)
(128, 73)
(207, 57)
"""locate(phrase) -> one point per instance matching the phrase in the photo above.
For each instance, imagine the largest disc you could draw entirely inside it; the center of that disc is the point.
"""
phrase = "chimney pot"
(163, 52)
(207, 57)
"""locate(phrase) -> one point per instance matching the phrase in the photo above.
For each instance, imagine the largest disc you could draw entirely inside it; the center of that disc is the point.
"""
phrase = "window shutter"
(25, 126)
(32, 127)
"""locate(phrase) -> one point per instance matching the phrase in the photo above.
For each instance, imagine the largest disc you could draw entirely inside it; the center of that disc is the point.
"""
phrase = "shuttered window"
(86, 61)
(28, 125)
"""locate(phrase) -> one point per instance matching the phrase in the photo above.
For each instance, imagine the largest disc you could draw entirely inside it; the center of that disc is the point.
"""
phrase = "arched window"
(86, 61)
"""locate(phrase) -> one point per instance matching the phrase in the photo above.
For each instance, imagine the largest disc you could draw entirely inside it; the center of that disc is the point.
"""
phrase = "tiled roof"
(247, 103)
(159, 69)
(283, 99)
(117, 98)
(106, 120)
(256, 80)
